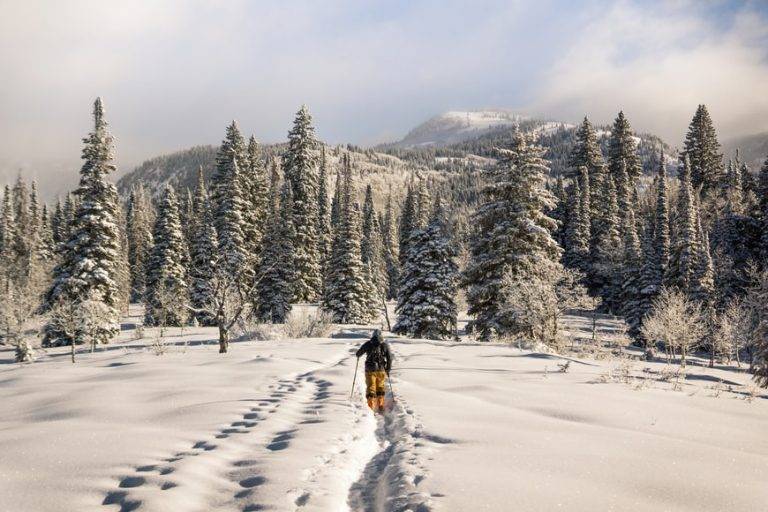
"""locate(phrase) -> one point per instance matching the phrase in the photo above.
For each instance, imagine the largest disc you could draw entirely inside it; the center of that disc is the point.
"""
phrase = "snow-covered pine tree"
(347, 294)
(336, 201)
(203, 256)
(630, 284)
(702, 149)
(426, 304)
(661, 244)
(560, 212)
(371, 249)
(606, 250)
(45, 249)
(762, 195)
(585, 216)
(7, 225)
(323, 213)
(90, 257)
(68, 216)
(139, 221)
(274, 289)
(300, 167)
(407, 220)
(57, 227)
(586, 153)
(513, 238)
(622, 151)
(682, 263)
(650, 279)
(228, 203)
(254, 182)
(390, 248)
(167, 290)
(422, 204)
(576, 248)
(703, 282)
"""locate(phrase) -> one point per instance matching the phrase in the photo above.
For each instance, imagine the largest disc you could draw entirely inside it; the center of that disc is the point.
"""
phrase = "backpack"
(377, 357)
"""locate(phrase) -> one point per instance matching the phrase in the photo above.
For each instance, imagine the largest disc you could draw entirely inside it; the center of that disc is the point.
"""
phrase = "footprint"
(251, 416)
(146, 469)
(245, 463)
(132, 481)
(302, 500)
(119, 498)
(203, 445)
(168, 485)
(253, 508)
(252, 481)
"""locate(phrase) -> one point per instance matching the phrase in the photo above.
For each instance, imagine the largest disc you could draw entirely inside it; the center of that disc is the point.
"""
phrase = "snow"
(270, 426)
(480, 119)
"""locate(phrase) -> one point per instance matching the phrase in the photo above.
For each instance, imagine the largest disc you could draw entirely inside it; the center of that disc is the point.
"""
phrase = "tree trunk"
(223, 339)
(72, 350)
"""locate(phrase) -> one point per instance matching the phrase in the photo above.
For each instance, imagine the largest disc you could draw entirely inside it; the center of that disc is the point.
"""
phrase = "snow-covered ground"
(270, 426)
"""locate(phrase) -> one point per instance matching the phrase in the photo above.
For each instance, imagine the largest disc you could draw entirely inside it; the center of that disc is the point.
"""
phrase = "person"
(378, 363)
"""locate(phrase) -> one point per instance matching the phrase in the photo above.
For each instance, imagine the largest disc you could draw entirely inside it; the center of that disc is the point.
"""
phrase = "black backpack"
(377, 357)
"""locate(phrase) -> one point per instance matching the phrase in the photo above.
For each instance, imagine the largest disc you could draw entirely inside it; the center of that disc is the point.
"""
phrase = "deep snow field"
(270, 426)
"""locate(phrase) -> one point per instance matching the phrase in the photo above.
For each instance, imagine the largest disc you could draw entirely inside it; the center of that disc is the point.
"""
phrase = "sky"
(174, 73)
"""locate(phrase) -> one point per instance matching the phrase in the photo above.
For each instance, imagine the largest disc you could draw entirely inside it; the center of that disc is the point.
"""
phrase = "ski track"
(365, 463)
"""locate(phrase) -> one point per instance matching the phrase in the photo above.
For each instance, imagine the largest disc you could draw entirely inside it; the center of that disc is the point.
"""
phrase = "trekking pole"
(391, 389)
(354, 379)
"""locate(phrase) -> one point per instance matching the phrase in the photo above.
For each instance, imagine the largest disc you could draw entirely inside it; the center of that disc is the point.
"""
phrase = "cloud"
(657, 63)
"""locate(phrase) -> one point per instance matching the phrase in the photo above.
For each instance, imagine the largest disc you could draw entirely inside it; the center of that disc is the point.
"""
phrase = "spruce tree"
(629, 271)
(300, 167)
(347, 294)
(274, 290)
(88, 270)
(513, 237)
(702, 149)
(7, 226)
(585, 216)
(606, 243)
(762, 194)
(166, 282)
(254, 183)
(371, 249)
(57, 224)
(407, 220)
(323, 213)
(203, 257)
(622, 151)
(703, 283)
(336, 201)
(576, 253)
(661, 225)
(139, 220)
(683, 262)
(228, 203)
(390, 249)
(426, 304)
(586, 153)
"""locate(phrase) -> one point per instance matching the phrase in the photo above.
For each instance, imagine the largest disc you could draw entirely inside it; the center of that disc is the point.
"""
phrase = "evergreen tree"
(661, 225)
(622, 151)
(426, 304)
(762, 194)
(702, 287)
(254, 183)
(585, 216)
(630, 274)
(407, 221)
(512, 238)
(371, 249)
(701, 147)
(422, 206)
(606, 245)
(7, 226)
(576, 254)
(300, 166)
(57, 225)
(274, 289)
(87, 271)
(203, 257)
(683, 262)
(650, 279)
(227, 198)
(347, 294)
(166, 282)
(139, 220)
(560, 212)
(390, 249)
(586, 153)
(46, 247)
(336, 201)
(323, 214)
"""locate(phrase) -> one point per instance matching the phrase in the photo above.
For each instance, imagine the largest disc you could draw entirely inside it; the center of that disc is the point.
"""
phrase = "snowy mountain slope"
(753, 149)
(270, 426)
(457, 126)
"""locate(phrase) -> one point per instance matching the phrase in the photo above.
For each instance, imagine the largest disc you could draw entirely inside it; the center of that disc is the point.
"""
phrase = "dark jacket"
(377, 355)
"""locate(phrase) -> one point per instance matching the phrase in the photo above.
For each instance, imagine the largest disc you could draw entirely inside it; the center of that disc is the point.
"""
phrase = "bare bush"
(306, 324)
(675, 321)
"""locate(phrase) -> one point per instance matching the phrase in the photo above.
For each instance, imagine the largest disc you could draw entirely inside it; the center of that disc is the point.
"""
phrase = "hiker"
(378, 363)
